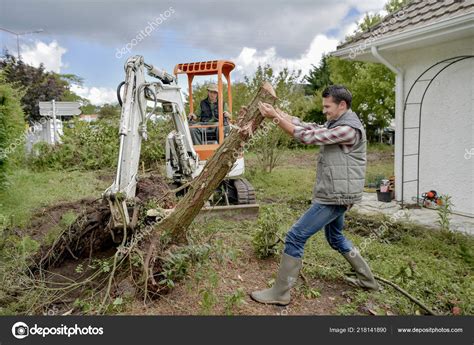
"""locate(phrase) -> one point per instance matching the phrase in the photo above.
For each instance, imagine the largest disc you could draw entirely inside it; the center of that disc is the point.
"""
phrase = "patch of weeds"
(310, 292)
(68, 218)
(118, 305)
(267, 236)
(380, 227)
(53, 234)
(208, 297)
(27, 246)
(466, 254)
(176, 264)
(104, 265)
(234, 300)
(358, 298)
(85, 306)
(19, 294)
(444, 212)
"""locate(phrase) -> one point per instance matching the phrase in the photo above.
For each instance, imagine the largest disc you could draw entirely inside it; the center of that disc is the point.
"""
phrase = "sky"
(93, 39)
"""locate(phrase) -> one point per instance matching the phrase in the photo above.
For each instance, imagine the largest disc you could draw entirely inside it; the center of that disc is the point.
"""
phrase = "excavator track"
(245, 192)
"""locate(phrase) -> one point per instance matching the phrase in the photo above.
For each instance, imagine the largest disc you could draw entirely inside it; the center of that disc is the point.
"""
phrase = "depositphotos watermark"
(144, 33)
(468, 153)
(266, 127)
(5, 152)
(21, 330)
(381, 230)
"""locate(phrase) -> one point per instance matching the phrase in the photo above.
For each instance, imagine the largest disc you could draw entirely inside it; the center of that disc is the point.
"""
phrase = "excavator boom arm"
(136, 92)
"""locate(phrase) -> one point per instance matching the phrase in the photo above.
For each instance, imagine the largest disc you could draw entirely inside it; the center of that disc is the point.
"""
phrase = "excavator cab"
(206, 68)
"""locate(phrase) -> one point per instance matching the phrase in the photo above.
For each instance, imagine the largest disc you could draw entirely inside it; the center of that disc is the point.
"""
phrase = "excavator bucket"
(232, 212)
(239, 199)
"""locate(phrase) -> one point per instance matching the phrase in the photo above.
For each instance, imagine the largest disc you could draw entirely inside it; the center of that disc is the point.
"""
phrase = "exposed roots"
(91, 255)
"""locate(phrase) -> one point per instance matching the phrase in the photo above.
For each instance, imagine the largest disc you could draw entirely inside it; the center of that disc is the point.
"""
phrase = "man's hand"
(284, 122)
(192, 117)
(226, 114)
(267, 110)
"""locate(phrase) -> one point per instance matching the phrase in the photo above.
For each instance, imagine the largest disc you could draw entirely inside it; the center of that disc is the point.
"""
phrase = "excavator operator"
(209, 115)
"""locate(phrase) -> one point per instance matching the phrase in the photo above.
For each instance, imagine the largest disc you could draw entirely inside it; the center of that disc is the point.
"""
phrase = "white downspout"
(399, 105)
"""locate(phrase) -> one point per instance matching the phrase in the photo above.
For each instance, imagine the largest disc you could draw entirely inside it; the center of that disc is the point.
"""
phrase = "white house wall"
(447, 129)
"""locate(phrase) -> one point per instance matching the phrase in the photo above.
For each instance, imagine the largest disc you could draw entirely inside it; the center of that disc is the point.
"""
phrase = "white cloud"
(289, 26)
(50, 55)
(96, 95)
(367, 5)
(249, 58)
(350, 29)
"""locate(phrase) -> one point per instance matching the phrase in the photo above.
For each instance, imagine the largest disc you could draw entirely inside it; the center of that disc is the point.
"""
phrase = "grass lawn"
(29, 190)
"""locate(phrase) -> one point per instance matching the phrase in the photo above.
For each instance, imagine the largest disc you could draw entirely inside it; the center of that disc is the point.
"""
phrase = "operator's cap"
(212, 87)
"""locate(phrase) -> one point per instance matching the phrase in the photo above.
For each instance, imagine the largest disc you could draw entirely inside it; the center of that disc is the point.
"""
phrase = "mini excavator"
(184, 159)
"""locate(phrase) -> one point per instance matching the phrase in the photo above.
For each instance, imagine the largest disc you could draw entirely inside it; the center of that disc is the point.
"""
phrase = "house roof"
(417, 13)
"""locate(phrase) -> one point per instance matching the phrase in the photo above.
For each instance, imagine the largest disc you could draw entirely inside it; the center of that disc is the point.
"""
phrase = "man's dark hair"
(338, 93)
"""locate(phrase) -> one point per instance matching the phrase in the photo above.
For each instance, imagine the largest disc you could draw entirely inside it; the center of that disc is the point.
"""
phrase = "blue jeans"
(331, 217)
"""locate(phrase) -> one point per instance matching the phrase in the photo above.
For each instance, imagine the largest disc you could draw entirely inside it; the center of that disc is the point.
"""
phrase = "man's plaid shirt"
(312, 133)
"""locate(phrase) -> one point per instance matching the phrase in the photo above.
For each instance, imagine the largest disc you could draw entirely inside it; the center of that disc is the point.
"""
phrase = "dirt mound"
(86, 236)
(152, 187)
(155, 187)
(45, 219)
(91, 232)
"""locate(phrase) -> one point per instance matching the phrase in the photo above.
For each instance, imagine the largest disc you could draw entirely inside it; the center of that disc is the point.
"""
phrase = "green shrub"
(92, 146)
(266, 237)
(153, 149)
(84, 146)
(12, 127)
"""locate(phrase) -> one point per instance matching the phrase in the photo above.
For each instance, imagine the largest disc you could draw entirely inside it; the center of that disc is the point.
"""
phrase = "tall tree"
(108, 111)
(372, 86)
(319, 76)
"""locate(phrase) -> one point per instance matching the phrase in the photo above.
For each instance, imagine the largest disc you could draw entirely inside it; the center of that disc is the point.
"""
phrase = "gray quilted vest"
(340, 176)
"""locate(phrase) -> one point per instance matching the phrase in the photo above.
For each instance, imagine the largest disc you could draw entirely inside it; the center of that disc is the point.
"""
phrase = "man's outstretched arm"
(284, 120)
(310, 134)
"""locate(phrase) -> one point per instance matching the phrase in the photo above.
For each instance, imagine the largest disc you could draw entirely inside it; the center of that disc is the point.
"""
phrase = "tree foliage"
(319, 77)
(109, 111)
(12, 127)
(36, 83)
(291, 99)
(395, 5)
(373, 90)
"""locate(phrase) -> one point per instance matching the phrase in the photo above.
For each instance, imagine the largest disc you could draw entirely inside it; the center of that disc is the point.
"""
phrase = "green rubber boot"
(279, 293)
(364, 277)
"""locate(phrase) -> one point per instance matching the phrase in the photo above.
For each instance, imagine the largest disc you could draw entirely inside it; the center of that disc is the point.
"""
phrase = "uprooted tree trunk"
(215, 170)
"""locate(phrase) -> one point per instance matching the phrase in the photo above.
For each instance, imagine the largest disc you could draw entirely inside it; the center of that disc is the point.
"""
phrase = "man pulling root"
(339, 184)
